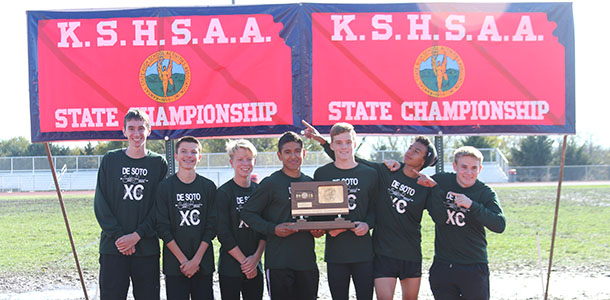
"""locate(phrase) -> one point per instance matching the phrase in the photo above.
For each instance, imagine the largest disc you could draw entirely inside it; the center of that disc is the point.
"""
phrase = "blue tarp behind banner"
(259, 70)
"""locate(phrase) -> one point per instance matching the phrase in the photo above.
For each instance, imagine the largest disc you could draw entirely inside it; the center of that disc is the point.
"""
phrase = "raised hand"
(424, 180)
(391, 164)
(311, 133)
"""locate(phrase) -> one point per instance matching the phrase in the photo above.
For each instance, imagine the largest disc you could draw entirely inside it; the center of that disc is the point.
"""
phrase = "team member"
(462, 207)
(349, 253)
(186, 218)
(124, 208)
(290, 260)
(398, 209)
(239, 266)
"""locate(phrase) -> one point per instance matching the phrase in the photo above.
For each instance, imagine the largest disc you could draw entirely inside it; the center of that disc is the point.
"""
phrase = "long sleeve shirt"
(361, 180)
(186, 214)
(232, 230)
(269, 206)
(460, 232)
(124, 200)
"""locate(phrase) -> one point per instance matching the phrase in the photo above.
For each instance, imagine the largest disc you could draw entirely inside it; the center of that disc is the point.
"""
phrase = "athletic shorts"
(385, 266)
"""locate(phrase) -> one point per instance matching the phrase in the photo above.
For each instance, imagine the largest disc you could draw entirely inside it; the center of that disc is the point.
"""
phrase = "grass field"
(34, 240)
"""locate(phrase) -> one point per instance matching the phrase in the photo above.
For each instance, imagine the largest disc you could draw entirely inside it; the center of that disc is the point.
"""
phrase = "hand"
(311, 133)
(249, 264)
(336, 232)
(361, 228)
(189, 268)
(391, 164)
(252, 274)
(461, 200)
(317, 232)
(129, 251)
(424, 180)
(126, 242)
(284, 229)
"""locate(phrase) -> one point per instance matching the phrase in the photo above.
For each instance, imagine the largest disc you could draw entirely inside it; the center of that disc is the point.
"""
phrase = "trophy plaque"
(318, 199)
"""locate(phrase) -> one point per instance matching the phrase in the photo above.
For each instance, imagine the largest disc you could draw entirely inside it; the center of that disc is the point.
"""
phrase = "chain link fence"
(551, 173)
(80, 172)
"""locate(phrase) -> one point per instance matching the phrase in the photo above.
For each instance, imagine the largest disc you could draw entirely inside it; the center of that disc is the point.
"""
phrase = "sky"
(592, 66)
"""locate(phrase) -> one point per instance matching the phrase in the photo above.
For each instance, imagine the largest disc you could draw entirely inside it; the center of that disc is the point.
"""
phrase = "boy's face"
(188, 155)
(467, 169)
(343, 145)
(291, 156)
(416, 155)
(242, 162)
(136, 132)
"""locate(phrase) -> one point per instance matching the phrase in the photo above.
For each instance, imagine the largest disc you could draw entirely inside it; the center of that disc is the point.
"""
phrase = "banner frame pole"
(559, 183)
(67, 223)
(440, 162)
(169, 156)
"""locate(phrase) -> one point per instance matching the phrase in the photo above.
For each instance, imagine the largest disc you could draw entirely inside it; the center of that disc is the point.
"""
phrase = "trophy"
(320, 198)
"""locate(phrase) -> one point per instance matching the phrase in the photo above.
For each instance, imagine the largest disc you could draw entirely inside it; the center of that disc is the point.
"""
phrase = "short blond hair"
(468, 151)
(234, 145)
(340, 128)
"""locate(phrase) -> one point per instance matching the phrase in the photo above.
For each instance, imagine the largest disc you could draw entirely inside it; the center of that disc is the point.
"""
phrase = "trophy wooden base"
(338, 223)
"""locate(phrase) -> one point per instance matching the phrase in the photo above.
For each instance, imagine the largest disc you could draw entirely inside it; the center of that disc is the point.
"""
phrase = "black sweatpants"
(117, 270)
(251, 289)
(180, 287)
(340, 274)
(290, 284)
(457, 281)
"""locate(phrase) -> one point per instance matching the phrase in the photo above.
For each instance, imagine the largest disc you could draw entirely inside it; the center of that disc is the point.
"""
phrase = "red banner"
(185, 71)
(402, 68)
(437, 69)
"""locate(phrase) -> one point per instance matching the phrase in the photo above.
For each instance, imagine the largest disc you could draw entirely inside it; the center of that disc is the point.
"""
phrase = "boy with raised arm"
(462, 207)
(124, 208)
(349, 253)
(186, 218)
(398, 213)
(239, 267)
(290, 259)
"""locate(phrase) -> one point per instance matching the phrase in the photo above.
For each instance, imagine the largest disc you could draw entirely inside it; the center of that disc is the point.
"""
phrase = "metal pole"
(438, 143)
(169, 155)
(563, 160)
(63, 211)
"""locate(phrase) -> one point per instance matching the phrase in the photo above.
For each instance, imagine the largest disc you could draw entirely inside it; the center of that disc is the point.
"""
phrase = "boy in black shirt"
(239, 267)
(349, 253)
(290, 259)
(461, 207)
(398, 214)
(124, 208)
(186, 218)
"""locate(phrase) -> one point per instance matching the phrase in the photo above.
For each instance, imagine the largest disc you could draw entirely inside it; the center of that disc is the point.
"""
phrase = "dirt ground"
(593, 283)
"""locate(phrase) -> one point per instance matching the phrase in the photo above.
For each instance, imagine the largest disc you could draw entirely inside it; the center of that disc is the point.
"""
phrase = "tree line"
(519, 150)
(532, 150)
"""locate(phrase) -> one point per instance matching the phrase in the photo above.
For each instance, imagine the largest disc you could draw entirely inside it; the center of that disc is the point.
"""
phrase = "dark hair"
(289, 136)
(430, 158)
(136, 114)
(188, 139)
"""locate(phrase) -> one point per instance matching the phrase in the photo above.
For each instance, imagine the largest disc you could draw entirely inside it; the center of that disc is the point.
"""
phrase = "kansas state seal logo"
(165, 76)
(439, 71)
